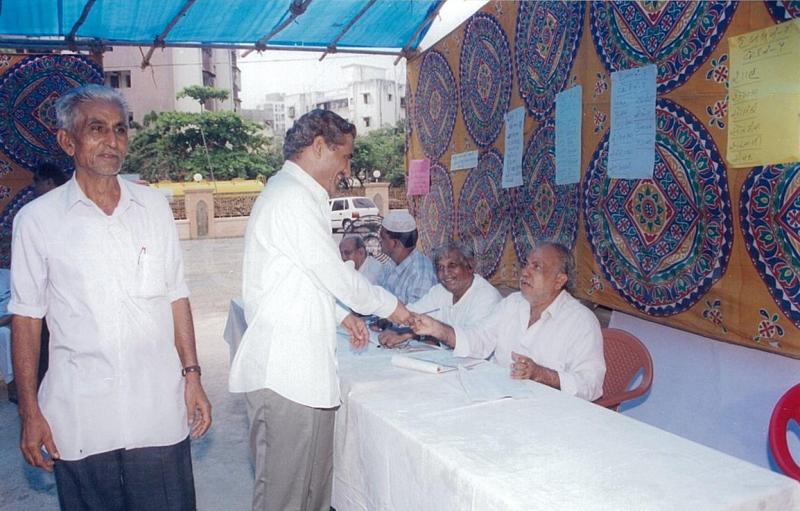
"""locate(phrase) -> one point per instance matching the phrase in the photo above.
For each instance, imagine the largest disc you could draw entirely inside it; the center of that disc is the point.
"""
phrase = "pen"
(430, 311)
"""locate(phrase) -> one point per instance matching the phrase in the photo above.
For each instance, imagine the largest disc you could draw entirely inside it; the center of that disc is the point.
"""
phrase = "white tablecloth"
(407, 440)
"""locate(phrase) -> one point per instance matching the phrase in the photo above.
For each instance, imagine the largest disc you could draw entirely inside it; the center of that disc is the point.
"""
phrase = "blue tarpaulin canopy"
(362, 26)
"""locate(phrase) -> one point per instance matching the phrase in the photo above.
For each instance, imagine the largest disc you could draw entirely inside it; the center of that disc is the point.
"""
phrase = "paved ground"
(223, 475)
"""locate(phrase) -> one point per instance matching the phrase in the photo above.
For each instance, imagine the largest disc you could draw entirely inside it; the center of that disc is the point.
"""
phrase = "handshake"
(420, 324)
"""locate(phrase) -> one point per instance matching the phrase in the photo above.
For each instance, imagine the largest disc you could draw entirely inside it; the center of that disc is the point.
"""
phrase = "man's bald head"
(352, 248)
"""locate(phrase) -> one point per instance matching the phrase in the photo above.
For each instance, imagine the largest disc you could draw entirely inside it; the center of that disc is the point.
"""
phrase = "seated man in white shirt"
(352, 248)
(541, 332)
(462, 297)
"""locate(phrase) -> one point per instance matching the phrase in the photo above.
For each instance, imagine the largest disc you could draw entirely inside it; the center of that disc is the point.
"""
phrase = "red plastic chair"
(786, 409)
(626, 357)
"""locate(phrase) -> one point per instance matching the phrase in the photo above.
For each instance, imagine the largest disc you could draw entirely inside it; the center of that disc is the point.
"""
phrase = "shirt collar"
(556, 305)
(128, 194)
(297, 172)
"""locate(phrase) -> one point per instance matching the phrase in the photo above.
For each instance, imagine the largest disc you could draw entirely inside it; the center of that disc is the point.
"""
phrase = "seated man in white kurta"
(462, 297)
(541, 332)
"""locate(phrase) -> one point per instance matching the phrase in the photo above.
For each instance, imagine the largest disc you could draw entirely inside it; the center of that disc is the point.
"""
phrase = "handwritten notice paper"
(468, 160)
(512, 160)
(568, 136)
(632, 142)
(419, 177)
(764, 111)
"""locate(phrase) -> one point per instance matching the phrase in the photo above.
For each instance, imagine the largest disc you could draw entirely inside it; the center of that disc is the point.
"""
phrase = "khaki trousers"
(292, 446)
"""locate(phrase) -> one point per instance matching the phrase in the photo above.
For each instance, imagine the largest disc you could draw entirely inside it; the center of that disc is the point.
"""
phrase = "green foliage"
(201, 93)
(170, 147)
(381, 150)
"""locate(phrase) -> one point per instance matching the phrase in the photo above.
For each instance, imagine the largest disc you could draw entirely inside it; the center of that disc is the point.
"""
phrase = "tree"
(171, 147)
(201, 94)
(381, 150)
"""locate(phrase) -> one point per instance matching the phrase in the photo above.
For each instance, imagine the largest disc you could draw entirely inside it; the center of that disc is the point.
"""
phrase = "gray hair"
(329, 125)
(565, 258)
(359, 241)
(465, 249)
(67, 106)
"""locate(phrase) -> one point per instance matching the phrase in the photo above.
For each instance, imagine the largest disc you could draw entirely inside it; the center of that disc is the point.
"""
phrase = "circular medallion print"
(662, 242)
(677, 36)
(435, 211)
(435, 104)
(485, 70)
(23, 197)
(783, 10)
(28, 92)
(546, 42)
(770, 218)
(544, 210)
(483, 212)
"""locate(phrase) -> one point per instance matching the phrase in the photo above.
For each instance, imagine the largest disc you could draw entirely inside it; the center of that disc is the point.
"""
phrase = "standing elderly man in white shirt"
(292, 278)
(100, 257)
(462, 297)
(541, 332)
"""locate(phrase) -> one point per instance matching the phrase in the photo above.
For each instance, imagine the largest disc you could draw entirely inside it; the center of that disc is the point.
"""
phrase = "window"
(117, 79)
(363, 202)
(338, 205)
(130, 118)
(366, 98)
(390, 96)
(402, 102)
(291, 112)
(366, 122)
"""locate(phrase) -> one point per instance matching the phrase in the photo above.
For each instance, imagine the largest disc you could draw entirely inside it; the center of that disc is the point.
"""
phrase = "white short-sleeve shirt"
(105, 284)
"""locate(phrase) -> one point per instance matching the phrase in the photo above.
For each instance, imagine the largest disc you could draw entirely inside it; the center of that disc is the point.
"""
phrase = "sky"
(292, 72)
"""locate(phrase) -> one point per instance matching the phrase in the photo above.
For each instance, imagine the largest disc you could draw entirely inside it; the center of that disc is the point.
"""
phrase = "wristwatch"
(191, 369)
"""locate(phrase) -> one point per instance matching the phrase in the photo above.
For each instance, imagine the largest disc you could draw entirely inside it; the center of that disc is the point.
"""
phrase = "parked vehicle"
(346, 209)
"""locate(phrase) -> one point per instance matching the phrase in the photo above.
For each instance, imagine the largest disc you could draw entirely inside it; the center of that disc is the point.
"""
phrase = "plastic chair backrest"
(625, 357)
(786, 409)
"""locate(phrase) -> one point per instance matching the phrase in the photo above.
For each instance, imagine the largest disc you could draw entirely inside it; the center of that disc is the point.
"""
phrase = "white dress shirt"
(372, 269)
(292, 276)
(566, 338)
(106, 283)
(476, 304)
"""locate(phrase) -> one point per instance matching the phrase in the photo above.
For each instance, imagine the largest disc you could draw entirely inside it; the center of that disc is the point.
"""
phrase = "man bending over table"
(293, 277)
(462, 297)
(542, 332)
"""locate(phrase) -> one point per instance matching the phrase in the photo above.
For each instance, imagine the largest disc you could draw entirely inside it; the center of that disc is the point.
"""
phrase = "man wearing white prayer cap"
(412, 274)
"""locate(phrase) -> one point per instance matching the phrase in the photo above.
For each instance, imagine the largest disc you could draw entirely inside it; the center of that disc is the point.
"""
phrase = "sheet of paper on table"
(490, 382)
(434, 361)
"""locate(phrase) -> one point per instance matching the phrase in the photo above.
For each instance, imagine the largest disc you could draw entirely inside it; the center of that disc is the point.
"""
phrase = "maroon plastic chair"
(626, 357)
(787, 408)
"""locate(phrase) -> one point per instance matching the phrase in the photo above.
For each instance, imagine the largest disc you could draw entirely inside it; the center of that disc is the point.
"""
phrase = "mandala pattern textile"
(677, 36)
(783, 10)
(662, 242)
(435, 212)
(435, 104)
(28, 91)
(485, 78)
(770, 219)
(543, 209)
(484, 216)
(547, 38)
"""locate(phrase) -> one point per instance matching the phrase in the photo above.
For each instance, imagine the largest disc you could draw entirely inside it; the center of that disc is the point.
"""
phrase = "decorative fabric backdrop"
(484, 218)
(29, 86)
(436, 211)
(543, 210)
(700, 246)
(435, 104)
(485, 72)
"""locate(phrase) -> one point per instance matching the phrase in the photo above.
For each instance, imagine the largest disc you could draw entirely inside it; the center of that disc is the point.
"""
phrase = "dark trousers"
(146, 479)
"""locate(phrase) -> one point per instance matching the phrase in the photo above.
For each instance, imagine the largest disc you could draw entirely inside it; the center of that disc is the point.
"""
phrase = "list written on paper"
(764, 111)
(512, 159)
(632, 142)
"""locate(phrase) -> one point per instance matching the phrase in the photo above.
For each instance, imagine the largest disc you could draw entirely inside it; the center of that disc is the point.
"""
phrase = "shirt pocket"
(150, 276)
